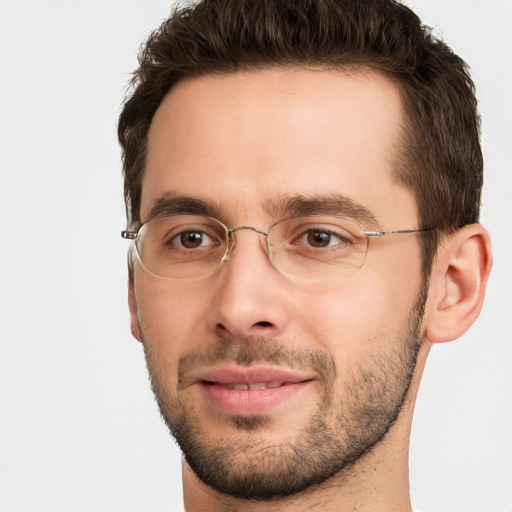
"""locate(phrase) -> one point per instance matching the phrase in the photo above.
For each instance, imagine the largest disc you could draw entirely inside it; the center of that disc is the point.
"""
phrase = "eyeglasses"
(191, 247)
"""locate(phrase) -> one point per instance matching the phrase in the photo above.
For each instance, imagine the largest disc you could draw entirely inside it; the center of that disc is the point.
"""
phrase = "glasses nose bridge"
(232, 239)
(239, 228)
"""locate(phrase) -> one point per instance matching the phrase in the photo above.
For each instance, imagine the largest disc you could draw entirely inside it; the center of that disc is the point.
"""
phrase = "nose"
(232, 238)
(249, 297)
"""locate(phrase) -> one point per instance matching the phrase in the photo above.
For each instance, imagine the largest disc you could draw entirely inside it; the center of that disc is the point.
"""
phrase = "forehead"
(246, 138)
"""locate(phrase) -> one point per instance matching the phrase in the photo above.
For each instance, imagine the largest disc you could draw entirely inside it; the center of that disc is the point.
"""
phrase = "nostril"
(262, 324)
(221, 328)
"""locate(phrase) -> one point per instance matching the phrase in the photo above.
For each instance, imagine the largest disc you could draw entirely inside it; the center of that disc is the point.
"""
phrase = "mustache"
(245, 352)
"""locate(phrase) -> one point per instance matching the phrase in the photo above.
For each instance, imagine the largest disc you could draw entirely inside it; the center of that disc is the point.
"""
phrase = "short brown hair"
(440, 158)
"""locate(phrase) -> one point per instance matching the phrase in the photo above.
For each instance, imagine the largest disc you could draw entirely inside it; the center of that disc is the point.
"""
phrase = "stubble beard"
(340, 433)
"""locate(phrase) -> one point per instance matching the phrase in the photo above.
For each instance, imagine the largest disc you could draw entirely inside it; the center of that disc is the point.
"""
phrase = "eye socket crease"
(329, 205)
(278, 208)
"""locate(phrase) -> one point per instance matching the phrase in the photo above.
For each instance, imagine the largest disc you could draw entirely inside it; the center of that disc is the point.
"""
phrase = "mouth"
(252, 390)
(248, 386)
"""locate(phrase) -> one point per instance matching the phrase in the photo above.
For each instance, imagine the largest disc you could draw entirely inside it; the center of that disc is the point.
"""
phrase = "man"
(303, 184)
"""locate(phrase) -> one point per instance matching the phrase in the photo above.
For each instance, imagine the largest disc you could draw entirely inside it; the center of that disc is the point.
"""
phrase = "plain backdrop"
(79, 429)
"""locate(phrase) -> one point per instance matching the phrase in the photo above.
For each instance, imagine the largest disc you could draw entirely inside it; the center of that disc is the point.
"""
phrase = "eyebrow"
(332, 204)
(172, 203)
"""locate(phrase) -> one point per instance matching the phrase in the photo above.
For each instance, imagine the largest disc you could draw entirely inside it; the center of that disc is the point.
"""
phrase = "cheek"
(170, 314)
(365, 312)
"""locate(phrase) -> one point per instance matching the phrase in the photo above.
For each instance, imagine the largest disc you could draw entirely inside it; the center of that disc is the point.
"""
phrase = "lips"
(250, 386)
(250, 390)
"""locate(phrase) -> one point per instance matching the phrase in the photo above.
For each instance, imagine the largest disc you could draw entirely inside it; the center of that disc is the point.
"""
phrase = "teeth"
(260, 385)
(254, 386)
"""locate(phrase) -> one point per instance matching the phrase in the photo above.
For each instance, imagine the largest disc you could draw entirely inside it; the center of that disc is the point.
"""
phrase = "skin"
(241, 140)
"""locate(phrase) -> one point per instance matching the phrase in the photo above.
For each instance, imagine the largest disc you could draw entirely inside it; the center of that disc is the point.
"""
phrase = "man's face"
(272, 383)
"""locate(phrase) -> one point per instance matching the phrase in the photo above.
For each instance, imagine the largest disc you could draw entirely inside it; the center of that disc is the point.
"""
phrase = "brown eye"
(318, 238)
(191, 239)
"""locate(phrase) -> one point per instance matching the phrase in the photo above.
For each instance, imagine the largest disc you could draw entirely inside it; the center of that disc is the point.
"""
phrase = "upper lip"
(230, 374)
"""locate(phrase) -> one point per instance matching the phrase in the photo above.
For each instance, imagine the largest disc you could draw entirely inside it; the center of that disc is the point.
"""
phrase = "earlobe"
(132, 303)
(458, 280)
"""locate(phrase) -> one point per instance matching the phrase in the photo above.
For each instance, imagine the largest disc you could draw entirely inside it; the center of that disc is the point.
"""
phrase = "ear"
(132, 303)
(457, 285)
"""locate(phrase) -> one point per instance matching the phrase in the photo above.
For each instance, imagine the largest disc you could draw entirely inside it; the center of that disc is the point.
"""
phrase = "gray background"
(79, 430)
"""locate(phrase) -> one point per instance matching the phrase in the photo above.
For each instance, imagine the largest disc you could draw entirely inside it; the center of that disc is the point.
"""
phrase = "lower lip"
(251, 401)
